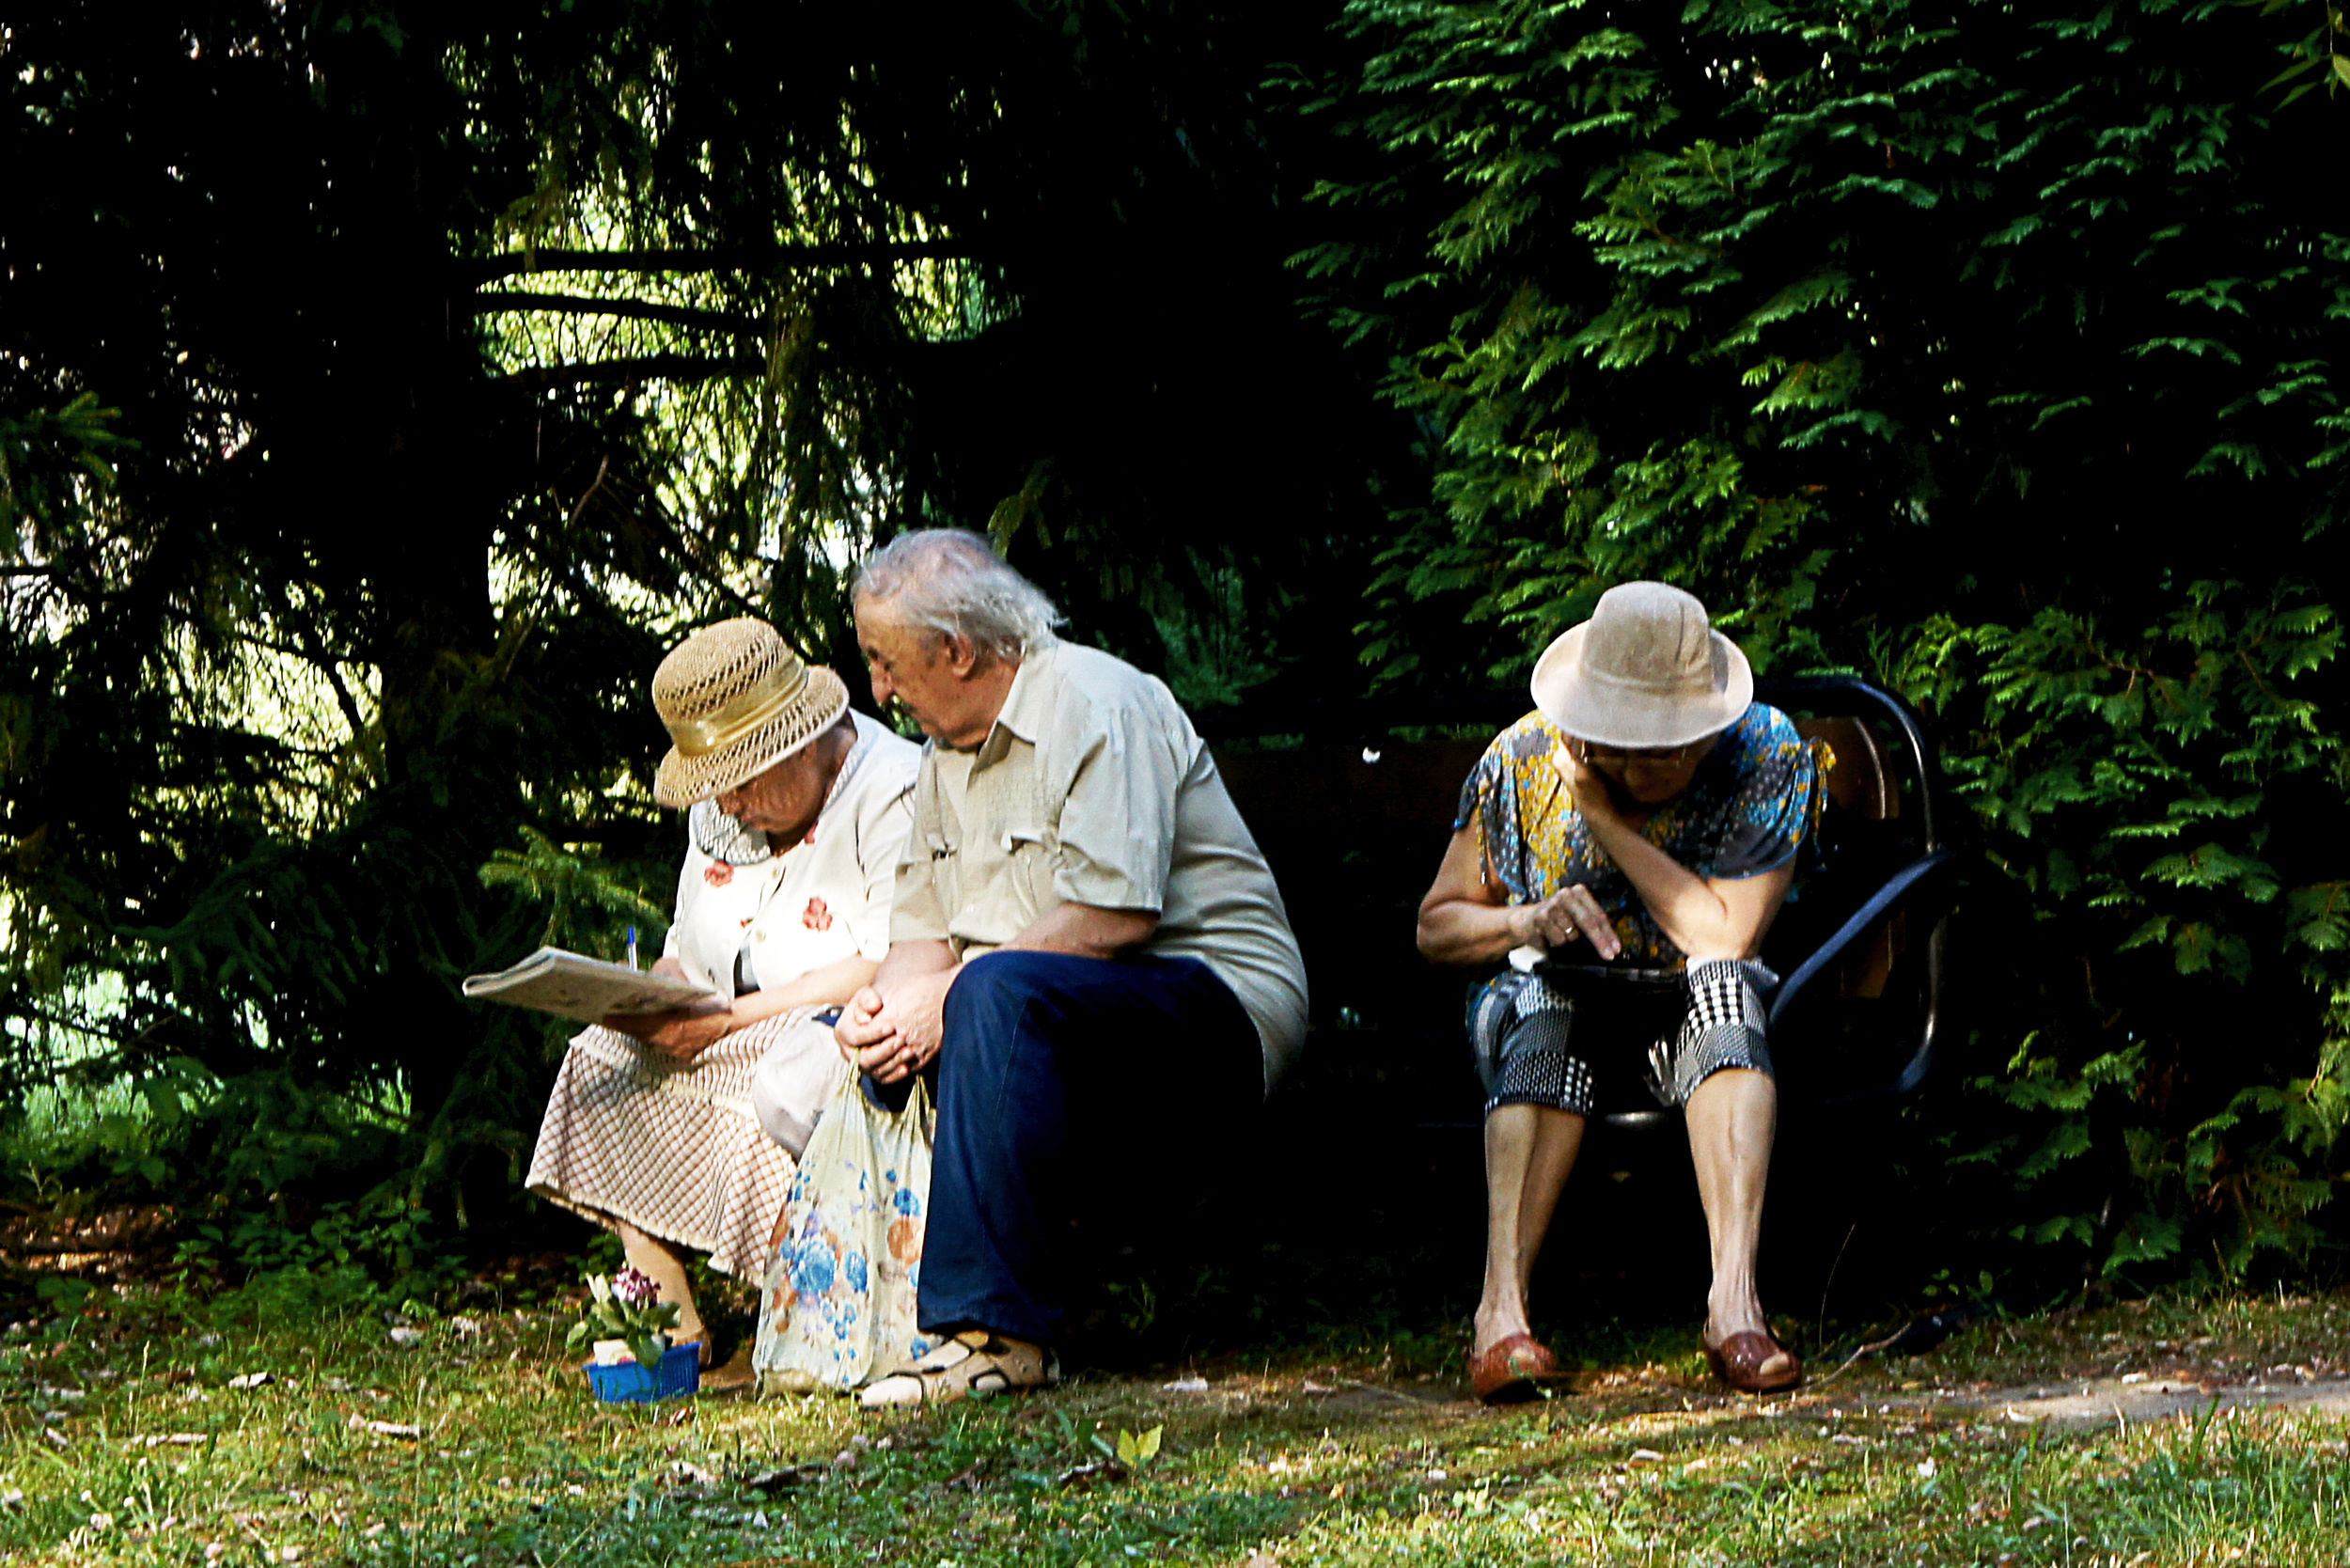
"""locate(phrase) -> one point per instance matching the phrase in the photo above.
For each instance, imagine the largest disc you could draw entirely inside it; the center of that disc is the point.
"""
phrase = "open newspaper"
(573, 985)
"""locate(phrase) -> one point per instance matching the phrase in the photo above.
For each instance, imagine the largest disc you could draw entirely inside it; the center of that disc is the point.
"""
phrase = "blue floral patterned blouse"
(1750, 808)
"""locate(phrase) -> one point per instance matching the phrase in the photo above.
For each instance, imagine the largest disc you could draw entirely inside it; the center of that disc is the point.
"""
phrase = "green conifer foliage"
(384, 385)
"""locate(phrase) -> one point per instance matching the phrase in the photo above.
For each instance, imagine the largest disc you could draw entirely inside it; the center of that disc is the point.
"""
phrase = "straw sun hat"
(737, 701)
(1646, 670)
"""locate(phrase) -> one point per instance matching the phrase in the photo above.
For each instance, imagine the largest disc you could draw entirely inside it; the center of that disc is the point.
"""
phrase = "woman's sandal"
(1513, 1370)
(736, 1377)
(975, 1364)
(1739, 1360)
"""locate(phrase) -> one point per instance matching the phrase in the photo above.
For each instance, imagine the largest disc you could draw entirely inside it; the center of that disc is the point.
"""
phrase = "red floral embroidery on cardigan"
(817, 915)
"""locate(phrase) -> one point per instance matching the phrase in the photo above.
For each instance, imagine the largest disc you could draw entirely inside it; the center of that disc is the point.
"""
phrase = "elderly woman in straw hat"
(680, 1130)
(1645, 820)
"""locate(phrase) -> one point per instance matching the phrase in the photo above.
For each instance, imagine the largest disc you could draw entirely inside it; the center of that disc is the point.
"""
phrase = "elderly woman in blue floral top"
(1644, 820)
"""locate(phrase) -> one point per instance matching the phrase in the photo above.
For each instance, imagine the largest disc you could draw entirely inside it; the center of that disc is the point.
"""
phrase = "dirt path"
(2064, 1404)
(2109, 1401)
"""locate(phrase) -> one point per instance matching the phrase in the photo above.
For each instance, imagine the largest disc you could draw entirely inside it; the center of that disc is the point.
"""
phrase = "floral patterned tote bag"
(836, 1309)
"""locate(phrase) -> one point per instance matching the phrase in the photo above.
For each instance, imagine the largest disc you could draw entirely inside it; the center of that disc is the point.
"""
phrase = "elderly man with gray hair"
(1085, 938)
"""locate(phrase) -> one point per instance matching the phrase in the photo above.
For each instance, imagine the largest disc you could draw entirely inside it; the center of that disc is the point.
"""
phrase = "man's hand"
(861, 1024)
(914, 1016)
(681, 1034)
(1564, 916)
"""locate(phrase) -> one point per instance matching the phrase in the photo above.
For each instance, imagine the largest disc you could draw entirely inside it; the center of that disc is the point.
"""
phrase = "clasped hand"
(890, 1035)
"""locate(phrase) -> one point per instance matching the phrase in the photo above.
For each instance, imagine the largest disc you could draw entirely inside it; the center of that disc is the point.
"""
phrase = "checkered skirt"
(673, 1149)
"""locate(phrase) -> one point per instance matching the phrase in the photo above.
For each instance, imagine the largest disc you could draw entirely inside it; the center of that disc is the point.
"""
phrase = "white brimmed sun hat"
(1648, 670)
(736, 701)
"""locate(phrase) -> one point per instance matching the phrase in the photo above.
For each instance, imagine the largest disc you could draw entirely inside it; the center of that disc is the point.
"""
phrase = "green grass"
(127, 1445)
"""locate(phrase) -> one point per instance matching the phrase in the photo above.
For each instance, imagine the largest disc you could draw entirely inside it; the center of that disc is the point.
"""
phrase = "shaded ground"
(260, 1429)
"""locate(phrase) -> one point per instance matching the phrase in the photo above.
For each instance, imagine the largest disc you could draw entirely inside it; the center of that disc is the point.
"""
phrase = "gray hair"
(950, 581)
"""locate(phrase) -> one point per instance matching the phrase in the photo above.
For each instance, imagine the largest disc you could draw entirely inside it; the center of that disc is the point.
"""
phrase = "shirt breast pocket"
(946, 879)
(1030, 853)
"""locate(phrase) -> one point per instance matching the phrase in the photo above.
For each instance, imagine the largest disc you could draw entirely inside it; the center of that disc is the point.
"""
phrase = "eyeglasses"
(1615, 759)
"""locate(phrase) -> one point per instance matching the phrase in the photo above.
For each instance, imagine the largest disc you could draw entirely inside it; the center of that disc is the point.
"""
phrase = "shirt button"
(1009, 842)
(759, 936)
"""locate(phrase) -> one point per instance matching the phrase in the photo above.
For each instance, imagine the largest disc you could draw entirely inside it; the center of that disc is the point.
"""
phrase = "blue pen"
(632, 947)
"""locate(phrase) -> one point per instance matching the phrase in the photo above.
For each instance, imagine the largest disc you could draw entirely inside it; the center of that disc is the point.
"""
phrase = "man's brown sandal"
(975, 1364)
(1515, 1369)
(1739, 1360)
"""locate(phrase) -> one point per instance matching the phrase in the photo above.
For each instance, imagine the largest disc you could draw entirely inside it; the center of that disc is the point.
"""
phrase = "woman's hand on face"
(681, 1034)
(1584, 783)
(1567, 916)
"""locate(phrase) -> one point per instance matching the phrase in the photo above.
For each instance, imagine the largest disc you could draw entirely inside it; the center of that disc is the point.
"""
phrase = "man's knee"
(994, 990)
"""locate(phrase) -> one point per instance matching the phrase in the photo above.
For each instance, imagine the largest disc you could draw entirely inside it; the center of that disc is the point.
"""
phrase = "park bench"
(1354, 803)
(1360, 1206)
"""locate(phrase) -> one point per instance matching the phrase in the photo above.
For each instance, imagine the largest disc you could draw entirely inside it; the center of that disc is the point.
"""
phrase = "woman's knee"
(1535, 1113)
(1733, 1107)
(1729, 1081)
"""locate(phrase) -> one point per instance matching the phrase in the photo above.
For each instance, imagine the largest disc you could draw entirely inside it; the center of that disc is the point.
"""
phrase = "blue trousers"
(1062, 1081)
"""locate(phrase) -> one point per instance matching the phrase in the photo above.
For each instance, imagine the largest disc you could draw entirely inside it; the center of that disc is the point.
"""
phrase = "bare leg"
(666, 1266)
(1528, 1151)
(1731, 1118)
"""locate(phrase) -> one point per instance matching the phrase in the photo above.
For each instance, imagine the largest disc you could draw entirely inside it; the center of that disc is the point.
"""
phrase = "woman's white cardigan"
(823, 899)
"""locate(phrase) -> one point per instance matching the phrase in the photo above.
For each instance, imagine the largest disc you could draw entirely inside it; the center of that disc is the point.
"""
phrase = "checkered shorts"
(1521, 1030)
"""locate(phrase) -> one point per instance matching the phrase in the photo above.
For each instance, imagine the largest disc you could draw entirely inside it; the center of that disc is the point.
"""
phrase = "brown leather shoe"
(735, 1377)
(1739, 1360)
(1515, 1369)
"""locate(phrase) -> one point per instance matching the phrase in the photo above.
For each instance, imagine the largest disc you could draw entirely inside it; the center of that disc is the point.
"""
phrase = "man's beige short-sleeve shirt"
(1092, 787)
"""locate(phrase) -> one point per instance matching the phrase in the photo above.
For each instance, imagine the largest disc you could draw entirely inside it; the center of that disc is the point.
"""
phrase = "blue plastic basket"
(632, 1382)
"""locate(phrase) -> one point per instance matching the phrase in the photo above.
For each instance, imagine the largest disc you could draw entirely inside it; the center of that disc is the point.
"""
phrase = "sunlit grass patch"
(271, 1427)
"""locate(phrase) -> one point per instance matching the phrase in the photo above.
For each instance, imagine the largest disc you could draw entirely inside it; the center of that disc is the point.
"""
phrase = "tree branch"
(489, 269)
(651, 367)
(633, 310)
(308, 625)
(25, 1008)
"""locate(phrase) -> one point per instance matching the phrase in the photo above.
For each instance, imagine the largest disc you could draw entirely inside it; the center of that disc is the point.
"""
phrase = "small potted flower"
(625, 1329)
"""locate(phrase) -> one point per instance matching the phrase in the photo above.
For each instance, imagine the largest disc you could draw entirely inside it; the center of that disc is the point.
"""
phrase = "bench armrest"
(1901, 885)
(1917, 880)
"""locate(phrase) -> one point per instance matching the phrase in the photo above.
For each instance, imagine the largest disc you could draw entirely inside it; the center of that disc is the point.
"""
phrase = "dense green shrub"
(1998, 353)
